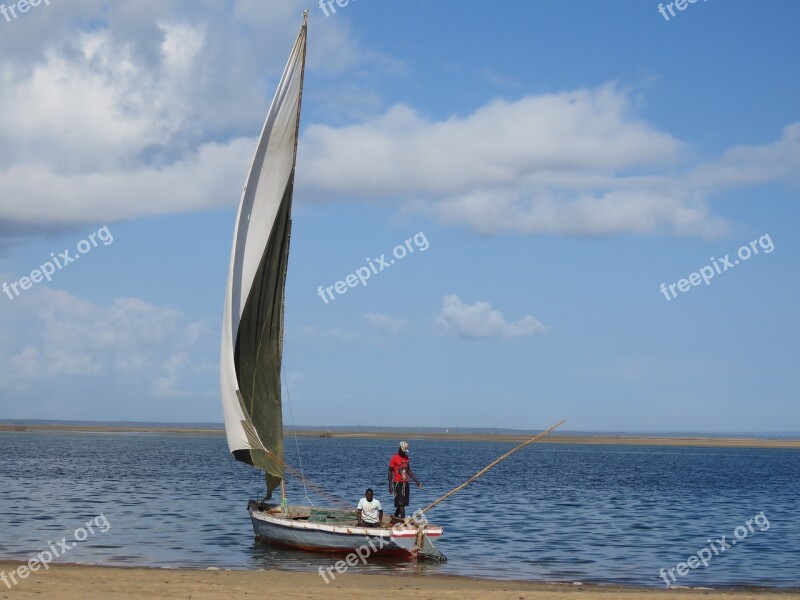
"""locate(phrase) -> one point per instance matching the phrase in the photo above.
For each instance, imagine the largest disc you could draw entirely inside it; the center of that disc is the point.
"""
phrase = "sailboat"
(252, 346)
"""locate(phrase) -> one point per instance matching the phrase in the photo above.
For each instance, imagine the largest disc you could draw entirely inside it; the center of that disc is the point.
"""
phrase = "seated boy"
(369, 511)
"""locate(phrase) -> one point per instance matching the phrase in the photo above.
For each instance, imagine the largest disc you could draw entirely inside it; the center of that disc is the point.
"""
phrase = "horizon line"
(399, 429)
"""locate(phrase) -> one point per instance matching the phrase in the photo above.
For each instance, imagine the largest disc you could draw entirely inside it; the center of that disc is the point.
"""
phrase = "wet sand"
(70, 582)
(554, 438)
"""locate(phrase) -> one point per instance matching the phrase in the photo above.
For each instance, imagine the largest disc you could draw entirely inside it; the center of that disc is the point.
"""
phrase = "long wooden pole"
(482, 471)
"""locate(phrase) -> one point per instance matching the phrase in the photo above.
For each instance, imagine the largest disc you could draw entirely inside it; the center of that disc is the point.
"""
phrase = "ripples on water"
(607, 514)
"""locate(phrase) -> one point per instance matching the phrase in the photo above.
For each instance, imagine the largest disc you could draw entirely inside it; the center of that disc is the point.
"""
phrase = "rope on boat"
(481, 472)
(294, 431)
(316, 487)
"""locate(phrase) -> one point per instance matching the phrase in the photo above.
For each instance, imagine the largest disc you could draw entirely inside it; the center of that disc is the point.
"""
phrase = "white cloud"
(753, 165)
(182, 44)
(480, 321)
(150, 108)
(587, 131)
(499, 80)
(210, 177)
(175, 368)
(638, 211)
(576, 163)
(119, 110)
(51, 335)
(386, 323)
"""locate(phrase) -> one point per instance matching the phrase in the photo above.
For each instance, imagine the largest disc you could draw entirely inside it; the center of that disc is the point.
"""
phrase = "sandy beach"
(71, 582)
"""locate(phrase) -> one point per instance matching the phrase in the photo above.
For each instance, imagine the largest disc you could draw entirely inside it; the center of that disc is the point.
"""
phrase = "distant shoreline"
(613, 440)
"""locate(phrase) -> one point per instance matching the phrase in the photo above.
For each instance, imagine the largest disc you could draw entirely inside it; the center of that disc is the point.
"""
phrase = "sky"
(550, 172)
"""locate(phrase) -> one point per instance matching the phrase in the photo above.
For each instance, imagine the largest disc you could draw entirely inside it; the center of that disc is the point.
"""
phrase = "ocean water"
(604, 514)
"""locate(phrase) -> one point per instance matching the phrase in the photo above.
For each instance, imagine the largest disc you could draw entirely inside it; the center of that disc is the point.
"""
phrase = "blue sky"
(562, 159)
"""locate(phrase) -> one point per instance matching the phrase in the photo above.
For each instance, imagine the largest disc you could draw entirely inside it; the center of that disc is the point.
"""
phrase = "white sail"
(257, 276)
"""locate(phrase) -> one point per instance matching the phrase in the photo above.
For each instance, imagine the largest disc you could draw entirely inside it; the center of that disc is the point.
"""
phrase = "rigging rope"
(294, 431)
(320, 490)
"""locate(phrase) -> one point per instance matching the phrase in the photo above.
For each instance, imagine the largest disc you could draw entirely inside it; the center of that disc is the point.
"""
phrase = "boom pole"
(484, 470)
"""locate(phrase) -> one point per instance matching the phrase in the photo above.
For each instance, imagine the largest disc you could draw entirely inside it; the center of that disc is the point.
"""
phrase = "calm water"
(608, 514)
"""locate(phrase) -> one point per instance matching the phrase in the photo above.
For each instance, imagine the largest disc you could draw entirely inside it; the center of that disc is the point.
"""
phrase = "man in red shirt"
(399, 472)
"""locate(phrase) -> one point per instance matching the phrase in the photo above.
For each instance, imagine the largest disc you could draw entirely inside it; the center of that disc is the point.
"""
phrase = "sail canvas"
(252, 331)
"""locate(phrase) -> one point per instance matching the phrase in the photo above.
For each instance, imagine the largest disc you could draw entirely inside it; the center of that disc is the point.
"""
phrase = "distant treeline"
(323, 430)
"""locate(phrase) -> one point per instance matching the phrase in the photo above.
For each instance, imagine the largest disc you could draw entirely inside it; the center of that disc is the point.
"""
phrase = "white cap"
(404, 446)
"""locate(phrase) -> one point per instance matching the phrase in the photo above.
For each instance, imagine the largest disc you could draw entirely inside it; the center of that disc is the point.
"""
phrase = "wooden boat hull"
(272, 527)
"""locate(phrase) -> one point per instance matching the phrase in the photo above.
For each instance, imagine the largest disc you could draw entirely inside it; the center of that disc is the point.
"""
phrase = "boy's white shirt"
(370, 510)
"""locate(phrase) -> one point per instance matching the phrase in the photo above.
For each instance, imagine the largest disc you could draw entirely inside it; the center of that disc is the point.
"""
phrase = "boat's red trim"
(410, 535)
(430, 531)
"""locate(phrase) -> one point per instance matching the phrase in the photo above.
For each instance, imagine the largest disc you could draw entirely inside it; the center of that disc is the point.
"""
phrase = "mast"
(304, 28)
